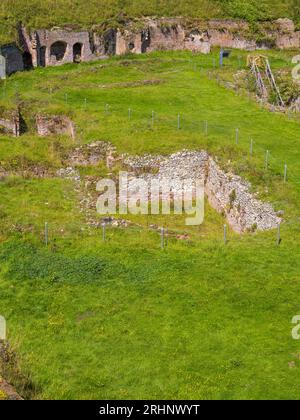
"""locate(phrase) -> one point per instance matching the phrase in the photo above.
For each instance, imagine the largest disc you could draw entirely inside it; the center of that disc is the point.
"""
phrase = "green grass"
(195, 321)
(125, 319)
(35, 13)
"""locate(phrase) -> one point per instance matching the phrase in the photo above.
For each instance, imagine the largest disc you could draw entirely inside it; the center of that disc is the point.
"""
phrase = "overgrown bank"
(123, 318)
(35, 13)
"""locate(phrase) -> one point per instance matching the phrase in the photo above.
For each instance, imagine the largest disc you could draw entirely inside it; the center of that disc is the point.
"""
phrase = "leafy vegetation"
(296, 10)
(289, 88)
(124, 318)
(253, 10)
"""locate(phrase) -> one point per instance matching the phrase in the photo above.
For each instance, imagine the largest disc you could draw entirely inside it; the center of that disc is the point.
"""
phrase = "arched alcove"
(77, 52)
(58, 50)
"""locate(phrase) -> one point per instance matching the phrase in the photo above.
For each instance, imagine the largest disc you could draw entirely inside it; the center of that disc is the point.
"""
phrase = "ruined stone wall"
(52, 55)
(13, 58)
(230, 195)
(174, 34)
(230, 34)
(163, 34)
(105, 44)
(168, 35)
(28, 44)
(286, 35)
(10, 123)
(58, 46)
(128, 42)
(237, 34)
(59, 125)
(227, 193)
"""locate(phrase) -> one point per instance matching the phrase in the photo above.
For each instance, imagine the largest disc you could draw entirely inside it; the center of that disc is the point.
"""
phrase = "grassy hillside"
(35, 13)
(123, 318)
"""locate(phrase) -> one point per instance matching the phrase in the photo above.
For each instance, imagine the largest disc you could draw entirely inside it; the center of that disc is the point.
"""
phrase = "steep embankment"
(35, 13)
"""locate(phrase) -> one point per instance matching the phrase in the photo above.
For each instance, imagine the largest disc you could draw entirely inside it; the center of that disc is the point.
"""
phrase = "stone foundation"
(10, 123)
(91, 154)
(58, 125)
(227, 193)
(230, 195)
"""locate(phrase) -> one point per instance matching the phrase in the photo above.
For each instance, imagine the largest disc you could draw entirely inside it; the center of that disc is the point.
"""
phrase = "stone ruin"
(11, 123)
(92, 154)
(227, 193)
(55, 47)
(161, 35)
(58, 46)
(55, 125)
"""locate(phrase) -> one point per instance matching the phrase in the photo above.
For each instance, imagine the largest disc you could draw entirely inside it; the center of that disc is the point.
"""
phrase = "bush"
(289, 90)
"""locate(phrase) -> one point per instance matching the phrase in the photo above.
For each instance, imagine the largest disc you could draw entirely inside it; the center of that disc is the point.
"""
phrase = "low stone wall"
(227, 193)
(10, 123)
(59, 125)
(91, 154)
(199, 37)
(230, 195)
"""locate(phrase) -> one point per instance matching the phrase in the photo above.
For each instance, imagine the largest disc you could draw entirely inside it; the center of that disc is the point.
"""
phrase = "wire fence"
(240, 138)
(234, 136)
(115, 233)
(132, 118)
(167, 236)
